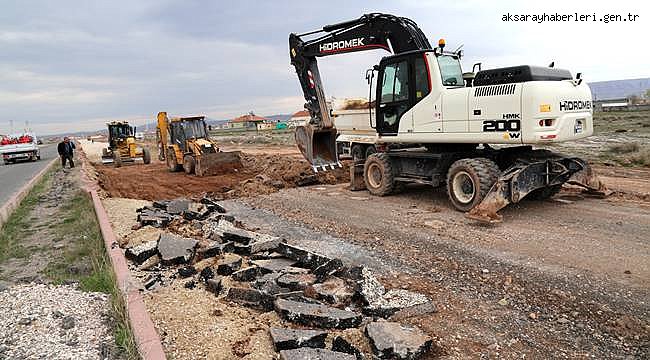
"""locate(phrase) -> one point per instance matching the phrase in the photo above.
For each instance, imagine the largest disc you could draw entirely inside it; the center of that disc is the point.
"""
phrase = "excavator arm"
(317, 138)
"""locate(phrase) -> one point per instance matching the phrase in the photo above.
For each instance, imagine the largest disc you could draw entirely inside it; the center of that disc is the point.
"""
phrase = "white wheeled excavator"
(437, 125)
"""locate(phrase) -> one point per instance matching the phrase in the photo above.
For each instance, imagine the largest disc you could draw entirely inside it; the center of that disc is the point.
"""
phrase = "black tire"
(469, 180)
(172, 164)
(378, 174)
(161, 153)
(544, 193)
(189, 164)
(370, 150)
(117, 159)
(6, 162)
(146, 156)
(357, 152)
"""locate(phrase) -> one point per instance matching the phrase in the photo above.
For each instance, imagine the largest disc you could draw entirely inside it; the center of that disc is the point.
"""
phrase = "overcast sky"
(73, 65)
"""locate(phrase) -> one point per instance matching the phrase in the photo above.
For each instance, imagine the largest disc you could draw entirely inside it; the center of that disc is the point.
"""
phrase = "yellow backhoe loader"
(122, 146)
(184, 144)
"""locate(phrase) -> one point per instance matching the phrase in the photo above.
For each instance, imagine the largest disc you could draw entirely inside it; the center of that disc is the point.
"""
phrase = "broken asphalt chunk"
(228, 264)
(296, 281)
(152, 280)
(251, 298)
(334, 291)
(174, 249)
(316, 314)
(394, 300)
(391, 340)
(307, 353)
(214, 248)
(186, 271)
(304, 257)
(286, 339)
(177, 206)
(274, 265)
(214, 285)
(212, 205)
(141, 253)
(369, 288)
(246, 274)
(341, 345)
(265, 244)
(328, 269)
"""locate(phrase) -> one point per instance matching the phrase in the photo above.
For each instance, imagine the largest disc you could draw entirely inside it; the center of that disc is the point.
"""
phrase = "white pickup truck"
(19, 147)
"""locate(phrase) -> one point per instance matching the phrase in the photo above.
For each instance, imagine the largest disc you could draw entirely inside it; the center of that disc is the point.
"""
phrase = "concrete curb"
(12, 204)
(144, 332)
(146, 337)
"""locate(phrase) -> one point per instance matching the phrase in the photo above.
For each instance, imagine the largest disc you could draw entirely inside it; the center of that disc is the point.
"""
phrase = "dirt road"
(563, 278)
(567, 279)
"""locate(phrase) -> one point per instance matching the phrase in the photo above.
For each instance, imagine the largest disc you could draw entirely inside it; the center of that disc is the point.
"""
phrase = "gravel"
(40, 321)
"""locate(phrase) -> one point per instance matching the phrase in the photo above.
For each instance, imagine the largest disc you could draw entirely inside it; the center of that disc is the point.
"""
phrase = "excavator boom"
(317, 138)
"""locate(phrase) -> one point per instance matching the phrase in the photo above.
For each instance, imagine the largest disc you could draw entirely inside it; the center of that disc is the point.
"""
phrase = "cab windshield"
(450, 70)
(194, 129)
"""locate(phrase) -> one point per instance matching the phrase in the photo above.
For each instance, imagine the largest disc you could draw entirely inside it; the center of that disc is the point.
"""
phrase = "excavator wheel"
(469, 180)
(146, 156)
(171, 162)
(189, 164)
(378, 174)
(370, 150)
(357, 152)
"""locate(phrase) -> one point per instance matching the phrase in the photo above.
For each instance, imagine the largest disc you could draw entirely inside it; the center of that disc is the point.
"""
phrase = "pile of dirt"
(260, 174)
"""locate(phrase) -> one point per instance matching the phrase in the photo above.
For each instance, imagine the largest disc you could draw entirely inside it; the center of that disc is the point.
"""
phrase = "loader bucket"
(221, 162)
(318, 146)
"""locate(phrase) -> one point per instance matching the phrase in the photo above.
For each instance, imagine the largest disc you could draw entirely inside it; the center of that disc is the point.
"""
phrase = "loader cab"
(189, 128)
(403, 81)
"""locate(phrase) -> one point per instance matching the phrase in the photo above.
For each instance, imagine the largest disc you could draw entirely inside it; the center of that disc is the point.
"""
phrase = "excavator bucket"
(318, 146)
(217, 163)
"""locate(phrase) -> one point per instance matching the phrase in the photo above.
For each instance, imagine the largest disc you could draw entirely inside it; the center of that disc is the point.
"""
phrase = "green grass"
(85, 252)
(14, 229)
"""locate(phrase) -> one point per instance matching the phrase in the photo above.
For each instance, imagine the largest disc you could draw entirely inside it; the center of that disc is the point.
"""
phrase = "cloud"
(68, 65)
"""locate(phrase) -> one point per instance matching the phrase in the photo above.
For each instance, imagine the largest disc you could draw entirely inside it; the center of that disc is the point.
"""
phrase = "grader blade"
(209, 164)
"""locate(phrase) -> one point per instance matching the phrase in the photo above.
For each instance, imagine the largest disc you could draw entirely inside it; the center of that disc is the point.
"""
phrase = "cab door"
(393, 95)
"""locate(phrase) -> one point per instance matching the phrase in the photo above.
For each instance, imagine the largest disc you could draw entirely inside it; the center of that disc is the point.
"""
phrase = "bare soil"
(261, 174)
(562, 278)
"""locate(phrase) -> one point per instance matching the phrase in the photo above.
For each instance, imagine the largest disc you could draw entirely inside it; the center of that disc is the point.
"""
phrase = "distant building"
(248, 122)
(298, 118)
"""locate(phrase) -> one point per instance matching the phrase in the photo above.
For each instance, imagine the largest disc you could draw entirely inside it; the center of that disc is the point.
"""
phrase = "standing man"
(66, 151)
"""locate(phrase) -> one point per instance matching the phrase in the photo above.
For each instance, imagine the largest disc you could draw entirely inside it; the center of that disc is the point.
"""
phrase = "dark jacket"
(65, 149)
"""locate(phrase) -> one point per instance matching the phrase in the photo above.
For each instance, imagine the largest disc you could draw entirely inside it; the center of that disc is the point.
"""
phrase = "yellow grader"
(122, 146)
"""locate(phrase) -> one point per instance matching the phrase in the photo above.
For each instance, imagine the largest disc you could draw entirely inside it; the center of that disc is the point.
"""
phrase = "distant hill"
(619, 89)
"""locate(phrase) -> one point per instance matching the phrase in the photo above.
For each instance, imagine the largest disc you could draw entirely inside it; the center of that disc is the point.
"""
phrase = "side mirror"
(375, 67)
(475, 66)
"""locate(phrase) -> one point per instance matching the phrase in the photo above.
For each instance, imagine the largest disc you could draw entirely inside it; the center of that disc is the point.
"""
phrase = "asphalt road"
(14, 176)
